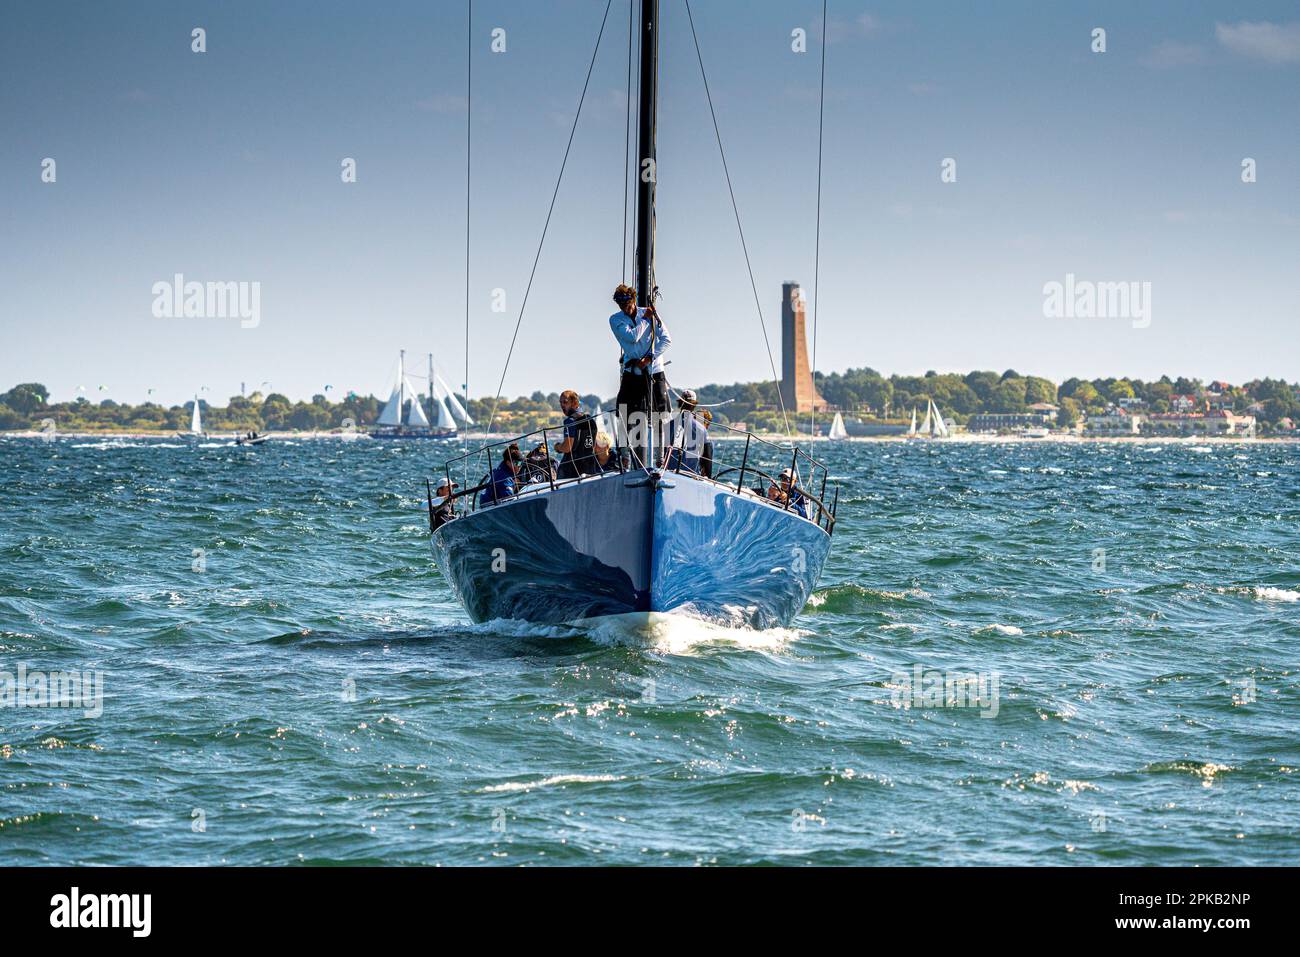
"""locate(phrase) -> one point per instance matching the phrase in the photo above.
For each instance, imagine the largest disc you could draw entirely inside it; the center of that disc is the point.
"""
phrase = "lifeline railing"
(758, 459)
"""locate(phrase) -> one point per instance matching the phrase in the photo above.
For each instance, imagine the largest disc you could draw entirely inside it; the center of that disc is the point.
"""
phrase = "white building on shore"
(1113, 422)
(1218, 422)
(1119, 422)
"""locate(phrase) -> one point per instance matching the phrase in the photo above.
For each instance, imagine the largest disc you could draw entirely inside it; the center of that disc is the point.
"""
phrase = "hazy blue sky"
(226, 166)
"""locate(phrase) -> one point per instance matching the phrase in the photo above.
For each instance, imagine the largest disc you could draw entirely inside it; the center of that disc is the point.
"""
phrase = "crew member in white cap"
(786, 494)
(444, 509)
(687, 433)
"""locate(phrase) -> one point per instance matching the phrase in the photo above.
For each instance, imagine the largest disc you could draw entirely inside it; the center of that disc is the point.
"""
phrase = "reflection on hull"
(621, 544)
(731, 558)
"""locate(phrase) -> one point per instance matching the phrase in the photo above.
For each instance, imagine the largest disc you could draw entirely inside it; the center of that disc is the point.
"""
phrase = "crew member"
(539, 466)
(642, 389)
(687, 435)
(790, 493)
(504, 476)
(443, 506)
(706, 457)
(577, 448)
(603, 454)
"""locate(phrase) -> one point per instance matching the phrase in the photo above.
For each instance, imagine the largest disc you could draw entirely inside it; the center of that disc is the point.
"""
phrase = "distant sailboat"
(446, 424)
(938, 428)
(933, 426)
(196, 419)
(838, 431)
(416, 425)
(415, 417)
(450, 412)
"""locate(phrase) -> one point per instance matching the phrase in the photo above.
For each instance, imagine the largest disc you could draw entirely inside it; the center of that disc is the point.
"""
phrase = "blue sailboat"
(739, 540)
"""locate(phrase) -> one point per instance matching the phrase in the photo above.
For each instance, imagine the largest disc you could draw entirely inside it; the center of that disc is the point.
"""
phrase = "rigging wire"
(736, 210)
(817, 242)
(469, 113)
(559, 179)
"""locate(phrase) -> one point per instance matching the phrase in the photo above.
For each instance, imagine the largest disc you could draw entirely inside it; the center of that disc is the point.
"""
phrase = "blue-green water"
(1147, 708)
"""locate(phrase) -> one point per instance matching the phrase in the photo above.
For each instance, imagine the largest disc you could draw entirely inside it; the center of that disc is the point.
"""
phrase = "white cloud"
(1271, 42)
(868, 23)
(443, 103)
(1171, 54)
(863, 25)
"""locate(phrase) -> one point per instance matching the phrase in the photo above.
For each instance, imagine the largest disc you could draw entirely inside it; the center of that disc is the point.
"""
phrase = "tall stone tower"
(797, 391)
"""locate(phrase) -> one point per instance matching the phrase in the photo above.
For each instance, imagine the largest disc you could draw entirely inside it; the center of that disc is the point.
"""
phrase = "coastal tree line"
(28, 407)
(864, 393)
(874, 397)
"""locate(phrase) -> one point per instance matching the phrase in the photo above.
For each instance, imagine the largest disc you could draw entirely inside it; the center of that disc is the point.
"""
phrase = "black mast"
(647, 171)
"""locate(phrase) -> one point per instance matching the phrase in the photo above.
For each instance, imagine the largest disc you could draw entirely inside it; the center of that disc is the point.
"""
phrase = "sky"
(225, 166)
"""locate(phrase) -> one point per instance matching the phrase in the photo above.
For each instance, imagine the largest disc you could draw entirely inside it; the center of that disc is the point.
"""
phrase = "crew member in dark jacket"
(539, 466)
(578, 445)
(504, 477)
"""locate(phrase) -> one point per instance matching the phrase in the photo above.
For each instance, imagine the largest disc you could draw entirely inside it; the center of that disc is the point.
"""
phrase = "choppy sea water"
(287, 677)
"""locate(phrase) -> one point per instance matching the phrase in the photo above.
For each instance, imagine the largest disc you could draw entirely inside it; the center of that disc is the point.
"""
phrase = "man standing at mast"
(642, 388)
(642, 391)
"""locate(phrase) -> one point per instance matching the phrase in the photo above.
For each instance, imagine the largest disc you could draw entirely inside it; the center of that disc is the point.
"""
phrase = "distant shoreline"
(956, 438)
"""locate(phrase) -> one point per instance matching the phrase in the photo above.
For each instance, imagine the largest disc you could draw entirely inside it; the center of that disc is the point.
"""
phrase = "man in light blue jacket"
(642, 391)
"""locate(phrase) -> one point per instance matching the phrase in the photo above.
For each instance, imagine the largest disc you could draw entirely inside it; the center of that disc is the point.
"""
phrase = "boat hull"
(730, 557)
(635, 543)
